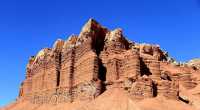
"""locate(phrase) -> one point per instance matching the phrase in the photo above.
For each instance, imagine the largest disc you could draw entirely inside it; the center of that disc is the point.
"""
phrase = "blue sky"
(26, 26)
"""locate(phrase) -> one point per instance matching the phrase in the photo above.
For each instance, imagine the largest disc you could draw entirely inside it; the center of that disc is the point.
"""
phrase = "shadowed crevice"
(144, 69)
(155, 89)
(58, 68)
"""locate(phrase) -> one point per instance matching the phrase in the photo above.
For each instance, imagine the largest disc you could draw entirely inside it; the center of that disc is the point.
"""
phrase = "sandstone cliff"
(100, 69)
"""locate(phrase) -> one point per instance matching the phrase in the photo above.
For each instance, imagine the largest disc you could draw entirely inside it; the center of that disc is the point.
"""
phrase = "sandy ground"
(114, 99)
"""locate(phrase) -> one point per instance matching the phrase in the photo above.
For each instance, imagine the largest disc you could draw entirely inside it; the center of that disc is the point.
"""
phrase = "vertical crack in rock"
(71, 75)
(57, 49)
(102, 74)
(102, 70)
(117, 69)
(58, 68)
(155, 89)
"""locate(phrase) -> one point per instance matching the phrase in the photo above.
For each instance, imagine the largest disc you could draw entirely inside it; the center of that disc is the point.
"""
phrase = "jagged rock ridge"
(98, 60)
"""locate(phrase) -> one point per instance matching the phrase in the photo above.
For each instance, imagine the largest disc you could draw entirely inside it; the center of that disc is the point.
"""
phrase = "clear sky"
(26, 26)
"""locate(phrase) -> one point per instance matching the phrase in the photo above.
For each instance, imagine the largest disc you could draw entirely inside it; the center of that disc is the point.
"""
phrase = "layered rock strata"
(86, 65)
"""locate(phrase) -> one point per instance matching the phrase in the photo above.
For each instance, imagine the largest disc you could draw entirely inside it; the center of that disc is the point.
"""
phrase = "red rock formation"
(97, 61)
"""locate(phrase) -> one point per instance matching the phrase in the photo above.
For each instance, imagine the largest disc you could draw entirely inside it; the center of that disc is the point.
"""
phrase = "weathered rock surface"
(100, 69)
(195, 63)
